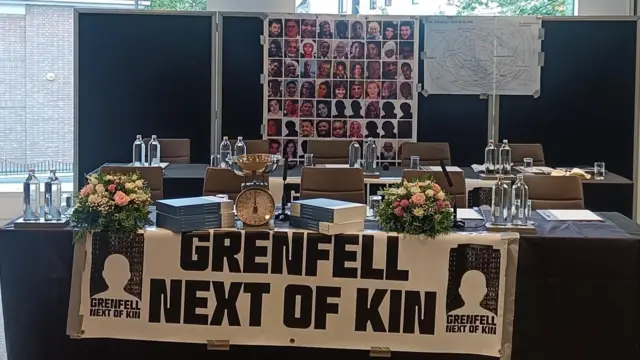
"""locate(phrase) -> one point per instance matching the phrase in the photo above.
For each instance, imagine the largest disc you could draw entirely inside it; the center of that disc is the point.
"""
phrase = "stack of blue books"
(196, 213)
(328, 216)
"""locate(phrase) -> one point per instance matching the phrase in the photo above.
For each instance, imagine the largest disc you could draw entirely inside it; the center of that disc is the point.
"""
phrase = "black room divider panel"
(141, 74)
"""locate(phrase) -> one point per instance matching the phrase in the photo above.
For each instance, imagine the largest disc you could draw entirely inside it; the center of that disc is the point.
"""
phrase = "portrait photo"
(307, 109)
(373, 50)
(339, 129)
(274, 127)
(275, 68)
(308, 28)
(356, 50)
(357, 29)
(291, 68)
(356, 89)
(323, 90)
(275, 88)
(372, 110)
(406, 30)
(406, 90)
(275, 48)
(341, 29)
(274, 146)
(389, 90)
(290, 108)
(388, 130)
(323, 128)
(388, 153)
(308, 49)
(339, 89)
(291, 50)
(340, 48)
(306, 128)
(324, 49)
(356, 70)
(324, 69)
(275, 28)
(275, 108)
(308, 69)
(389, 70)
(406, 50)
(308, 89)
(340, 70)
(373, 90)
(323, 109)
(325, 28)
(290, 149)
(291, 28)
(389, 51)
(355, 129)
(389, 30)
(373, 30)
(291, 89)
(373, 70)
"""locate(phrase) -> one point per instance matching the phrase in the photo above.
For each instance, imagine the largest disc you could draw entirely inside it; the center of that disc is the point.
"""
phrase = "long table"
(576, 298)
(613, 194)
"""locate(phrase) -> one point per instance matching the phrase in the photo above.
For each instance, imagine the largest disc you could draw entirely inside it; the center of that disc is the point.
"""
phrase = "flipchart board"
(452, 294)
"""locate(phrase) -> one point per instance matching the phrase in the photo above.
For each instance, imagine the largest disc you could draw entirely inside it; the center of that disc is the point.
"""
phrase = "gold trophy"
(255, 206)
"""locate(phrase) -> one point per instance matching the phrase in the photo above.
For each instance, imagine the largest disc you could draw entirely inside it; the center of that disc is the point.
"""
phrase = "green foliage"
(179, 5)
(114, 203)
(416, 208)
(517, 7)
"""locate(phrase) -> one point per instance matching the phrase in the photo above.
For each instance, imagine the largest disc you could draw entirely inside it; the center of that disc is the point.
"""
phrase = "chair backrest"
(152, 174)
(329, 152)
(430, 153)
(254, 146)
(457, 192)
(521, 151)
(555, 192)
(174, 151)
(224, 181)
(346, 184)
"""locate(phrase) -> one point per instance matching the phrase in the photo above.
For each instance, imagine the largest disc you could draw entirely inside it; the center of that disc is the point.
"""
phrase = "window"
(373, 4)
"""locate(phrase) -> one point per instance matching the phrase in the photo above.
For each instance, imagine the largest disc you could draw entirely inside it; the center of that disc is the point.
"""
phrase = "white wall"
(274, 6)
(604, 7)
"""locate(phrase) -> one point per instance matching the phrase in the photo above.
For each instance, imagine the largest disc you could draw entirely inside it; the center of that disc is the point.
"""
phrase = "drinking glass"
(215, 160)
(598, 171)
(308, 159)
(374, 204)
(528, 163)
(415, 163)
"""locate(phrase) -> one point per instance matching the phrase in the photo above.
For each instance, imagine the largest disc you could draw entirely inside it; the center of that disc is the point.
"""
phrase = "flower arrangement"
(115, 203)
(417, 208)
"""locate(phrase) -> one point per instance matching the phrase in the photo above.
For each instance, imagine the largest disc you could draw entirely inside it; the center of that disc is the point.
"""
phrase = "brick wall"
(36, 114)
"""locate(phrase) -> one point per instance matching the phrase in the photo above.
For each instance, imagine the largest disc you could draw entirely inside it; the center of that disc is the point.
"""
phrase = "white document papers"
(469, 214)
(569, 215)
(439, 168)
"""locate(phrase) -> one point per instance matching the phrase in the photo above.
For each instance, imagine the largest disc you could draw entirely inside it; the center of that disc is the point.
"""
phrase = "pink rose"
(120, 198)
(436, 188)
(440, 204)
(396, 204)
(112, 188)
(87, 190)
(399, 210)
(404, 203)
(418, 198)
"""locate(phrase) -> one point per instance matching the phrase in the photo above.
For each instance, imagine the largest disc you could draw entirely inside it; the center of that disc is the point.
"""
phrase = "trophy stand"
(255, 206)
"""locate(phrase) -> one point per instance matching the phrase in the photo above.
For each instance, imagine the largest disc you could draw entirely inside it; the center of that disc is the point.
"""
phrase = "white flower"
(415, 190)
(100, 188)
(402, 191)
(440, 195)
(129, 185)
(429, 193)
(93, 181)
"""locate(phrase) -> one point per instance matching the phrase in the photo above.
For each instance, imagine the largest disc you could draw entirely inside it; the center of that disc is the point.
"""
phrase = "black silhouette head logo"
(116, 275)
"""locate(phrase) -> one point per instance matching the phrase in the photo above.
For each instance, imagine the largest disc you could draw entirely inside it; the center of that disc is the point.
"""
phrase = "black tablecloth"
(576, 298)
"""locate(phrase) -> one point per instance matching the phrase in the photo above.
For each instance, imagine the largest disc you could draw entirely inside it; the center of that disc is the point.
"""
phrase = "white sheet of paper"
(438, 168)
(469, 214)
(573, 215)
(333, 165)
(535, 169)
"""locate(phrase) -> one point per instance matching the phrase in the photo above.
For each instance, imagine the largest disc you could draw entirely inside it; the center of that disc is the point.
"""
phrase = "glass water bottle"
(52, 197)
(240, 148)
(225, 152)
(138, 151)
(490, 158)
(31, 199)
(505, 158)
(500, 202)
(370, 150)
(355, 153)
(519, 199)
(154, 152)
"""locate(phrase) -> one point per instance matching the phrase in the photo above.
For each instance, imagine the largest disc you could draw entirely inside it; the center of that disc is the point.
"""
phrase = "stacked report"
(196, 213)
(328, 216)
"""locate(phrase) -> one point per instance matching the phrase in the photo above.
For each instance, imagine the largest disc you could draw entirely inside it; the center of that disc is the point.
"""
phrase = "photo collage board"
(340, 78)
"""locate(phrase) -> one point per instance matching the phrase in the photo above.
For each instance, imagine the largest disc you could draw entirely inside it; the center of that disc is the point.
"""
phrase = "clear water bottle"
(154, 152)
(490, 158)
(225, 152)
(240, 148)
(52, 197)
(370, 154)
(500, 202)
(138, 151)
(505, 158)
(31, 200)
(519, 199)
(355, 153)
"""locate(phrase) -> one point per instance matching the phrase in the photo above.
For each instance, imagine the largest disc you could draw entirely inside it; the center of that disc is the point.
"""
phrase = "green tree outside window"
(517, 7)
